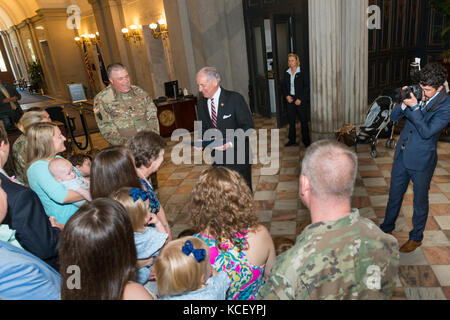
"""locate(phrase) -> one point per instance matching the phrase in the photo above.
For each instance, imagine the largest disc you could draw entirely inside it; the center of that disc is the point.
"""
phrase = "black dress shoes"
(290, 144)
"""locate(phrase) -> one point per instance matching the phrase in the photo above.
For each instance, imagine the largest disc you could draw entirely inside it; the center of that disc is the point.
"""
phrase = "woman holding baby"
(45, 141)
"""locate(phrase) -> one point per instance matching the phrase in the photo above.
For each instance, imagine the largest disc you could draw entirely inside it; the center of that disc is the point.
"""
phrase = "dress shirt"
(216, 97)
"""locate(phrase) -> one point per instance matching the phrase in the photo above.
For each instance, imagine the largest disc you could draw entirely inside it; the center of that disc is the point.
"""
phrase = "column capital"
(104, 3)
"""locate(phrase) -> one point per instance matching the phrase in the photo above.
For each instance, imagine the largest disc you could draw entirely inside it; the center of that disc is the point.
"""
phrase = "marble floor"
(423, 275)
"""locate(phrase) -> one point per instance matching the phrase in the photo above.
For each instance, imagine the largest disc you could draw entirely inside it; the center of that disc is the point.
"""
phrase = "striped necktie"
(213, 113)
(6, 94)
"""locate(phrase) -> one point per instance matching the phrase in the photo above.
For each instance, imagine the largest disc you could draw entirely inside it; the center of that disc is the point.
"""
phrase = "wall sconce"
(131, 33)
(87, 39)
(159, 30)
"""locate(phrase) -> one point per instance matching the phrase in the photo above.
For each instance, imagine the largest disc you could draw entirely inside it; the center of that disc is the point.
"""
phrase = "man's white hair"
(210, 72)
(330, 168)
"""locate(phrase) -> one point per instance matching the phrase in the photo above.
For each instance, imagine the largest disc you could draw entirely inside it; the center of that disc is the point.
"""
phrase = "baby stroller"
(378, 125)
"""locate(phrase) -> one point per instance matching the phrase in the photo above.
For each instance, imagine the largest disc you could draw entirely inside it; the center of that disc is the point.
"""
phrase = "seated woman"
(99, 241)
(45, 141)
(19, 147)
(221, 208)
(147, 148)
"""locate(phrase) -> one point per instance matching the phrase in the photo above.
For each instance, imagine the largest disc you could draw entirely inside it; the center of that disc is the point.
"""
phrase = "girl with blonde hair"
(148, 239)
(45, 141)
(183, 272)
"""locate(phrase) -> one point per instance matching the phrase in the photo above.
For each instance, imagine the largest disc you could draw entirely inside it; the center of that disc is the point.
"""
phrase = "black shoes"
(290, 143)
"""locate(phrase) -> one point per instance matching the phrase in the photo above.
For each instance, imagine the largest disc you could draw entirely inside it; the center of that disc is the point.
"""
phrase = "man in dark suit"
(26, 214)
(415, 156)
(10, 111)
(223, 110)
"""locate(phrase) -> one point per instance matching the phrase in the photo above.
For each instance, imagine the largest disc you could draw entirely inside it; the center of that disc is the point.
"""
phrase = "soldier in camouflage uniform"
(123, 109)
(341, 255)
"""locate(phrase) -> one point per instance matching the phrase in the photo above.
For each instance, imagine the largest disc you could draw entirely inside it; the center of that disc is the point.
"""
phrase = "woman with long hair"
(112, 169)
(98, 241)
(222, 210)
(45, 141)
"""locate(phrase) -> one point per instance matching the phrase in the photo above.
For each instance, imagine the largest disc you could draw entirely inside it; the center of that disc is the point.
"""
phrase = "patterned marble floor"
(423, 275)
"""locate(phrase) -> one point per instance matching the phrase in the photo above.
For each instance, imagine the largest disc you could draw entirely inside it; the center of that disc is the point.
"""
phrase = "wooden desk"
(176, 114)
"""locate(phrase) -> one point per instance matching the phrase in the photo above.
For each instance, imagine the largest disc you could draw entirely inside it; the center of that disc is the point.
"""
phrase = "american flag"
(88, 66)
(102, 66)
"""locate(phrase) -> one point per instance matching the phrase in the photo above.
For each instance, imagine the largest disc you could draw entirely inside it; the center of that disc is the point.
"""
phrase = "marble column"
(355, 53)
(20, 51)
(338, 56)
(108, 33)
(198, 26)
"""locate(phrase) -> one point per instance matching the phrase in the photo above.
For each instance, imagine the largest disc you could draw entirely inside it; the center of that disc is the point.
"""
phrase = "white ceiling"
(13, 12)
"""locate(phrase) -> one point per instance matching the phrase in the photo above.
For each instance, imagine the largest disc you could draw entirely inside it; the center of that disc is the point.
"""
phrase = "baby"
(62, 170)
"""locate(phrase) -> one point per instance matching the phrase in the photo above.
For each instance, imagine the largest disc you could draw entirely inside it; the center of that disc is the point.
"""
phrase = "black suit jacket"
(232, 113)
(6, 107)
(26, 215)
(301, 84)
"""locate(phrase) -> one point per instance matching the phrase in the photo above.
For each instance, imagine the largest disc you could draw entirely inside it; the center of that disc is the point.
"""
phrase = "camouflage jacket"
(350, 258)
(120, 116)
(19, 151)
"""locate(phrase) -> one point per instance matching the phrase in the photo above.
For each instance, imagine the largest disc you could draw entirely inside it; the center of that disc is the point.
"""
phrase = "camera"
(415, 89)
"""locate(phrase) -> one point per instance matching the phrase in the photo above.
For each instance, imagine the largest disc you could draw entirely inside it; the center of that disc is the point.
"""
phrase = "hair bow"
(188, 248)
(137, 193)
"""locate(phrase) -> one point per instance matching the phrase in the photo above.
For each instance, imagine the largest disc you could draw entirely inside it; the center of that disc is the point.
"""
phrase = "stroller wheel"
(390, 143)
(374, 153)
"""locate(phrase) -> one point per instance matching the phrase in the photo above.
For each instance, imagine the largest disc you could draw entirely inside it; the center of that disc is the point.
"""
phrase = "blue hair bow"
(188, 248)
(137, 193)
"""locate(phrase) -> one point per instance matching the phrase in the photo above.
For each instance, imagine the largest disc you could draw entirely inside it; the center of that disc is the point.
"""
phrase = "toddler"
(62, 171)
(82, 164)
(148, 239)
(183, 272)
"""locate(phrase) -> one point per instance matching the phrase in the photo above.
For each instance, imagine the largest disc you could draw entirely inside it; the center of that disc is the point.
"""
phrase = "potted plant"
(36, 76)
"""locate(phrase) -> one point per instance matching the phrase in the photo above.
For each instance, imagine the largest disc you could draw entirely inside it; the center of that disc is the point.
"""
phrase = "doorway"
(273, 31)
(6, 74)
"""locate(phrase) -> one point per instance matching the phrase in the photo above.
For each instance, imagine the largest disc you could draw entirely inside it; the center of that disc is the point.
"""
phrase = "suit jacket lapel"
(204, 105)
(220, 108)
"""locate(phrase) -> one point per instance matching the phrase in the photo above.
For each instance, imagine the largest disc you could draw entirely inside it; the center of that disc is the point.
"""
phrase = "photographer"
(415, 156)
